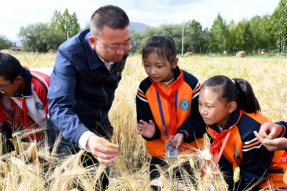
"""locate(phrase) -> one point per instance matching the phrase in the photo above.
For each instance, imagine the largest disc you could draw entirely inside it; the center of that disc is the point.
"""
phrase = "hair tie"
(233, 82)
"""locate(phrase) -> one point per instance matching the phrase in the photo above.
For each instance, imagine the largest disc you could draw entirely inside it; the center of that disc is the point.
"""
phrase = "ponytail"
(246, 98)
(238, 90)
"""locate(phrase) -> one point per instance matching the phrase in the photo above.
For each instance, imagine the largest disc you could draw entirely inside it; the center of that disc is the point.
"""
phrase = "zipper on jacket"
(104, 89)
(105, 95)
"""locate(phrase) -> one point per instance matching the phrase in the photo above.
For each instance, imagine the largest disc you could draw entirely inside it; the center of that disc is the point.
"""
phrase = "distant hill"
(138, 26)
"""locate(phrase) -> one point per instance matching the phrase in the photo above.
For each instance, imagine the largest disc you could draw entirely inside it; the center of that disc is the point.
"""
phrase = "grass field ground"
(267, 76)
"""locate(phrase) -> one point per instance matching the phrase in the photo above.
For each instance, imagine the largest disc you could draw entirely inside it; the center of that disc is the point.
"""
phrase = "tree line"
(42, 37)
(266, 32)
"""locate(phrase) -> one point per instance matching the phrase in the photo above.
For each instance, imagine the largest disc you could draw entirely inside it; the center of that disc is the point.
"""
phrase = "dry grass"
(130, 172)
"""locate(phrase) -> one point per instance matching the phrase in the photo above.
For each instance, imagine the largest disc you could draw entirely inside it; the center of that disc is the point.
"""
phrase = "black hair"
(111, 16)
(10, 67)
(240, 91)
(163, 45)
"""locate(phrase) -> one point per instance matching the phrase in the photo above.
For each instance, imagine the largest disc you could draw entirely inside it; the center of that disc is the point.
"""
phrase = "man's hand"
(270, 130)
(146, 129)
(104, 154)
(2, 126)
(272, 145)
(177, 140)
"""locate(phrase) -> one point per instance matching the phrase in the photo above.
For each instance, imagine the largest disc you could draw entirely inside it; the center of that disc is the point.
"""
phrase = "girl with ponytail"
(231, 112)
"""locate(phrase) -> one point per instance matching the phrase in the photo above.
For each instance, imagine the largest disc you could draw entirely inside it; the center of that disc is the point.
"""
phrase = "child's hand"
(146, 129)
(272, 145)
(270, 130)
(176, 141)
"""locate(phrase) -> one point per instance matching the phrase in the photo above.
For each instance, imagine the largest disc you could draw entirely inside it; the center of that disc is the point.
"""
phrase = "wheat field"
(47, 171)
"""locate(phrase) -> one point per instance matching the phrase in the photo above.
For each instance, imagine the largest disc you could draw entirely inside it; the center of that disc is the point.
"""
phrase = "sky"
(17, 13)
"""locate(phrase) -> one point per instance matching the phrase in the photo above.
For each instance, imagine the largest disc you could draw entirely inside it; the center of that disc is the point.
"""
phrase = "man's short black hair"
(111, 16)
(10, 67)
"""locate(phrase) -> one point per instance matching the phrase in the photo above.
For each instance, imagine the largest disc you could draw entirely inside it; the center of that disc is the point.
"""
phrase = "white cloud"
(15, 14)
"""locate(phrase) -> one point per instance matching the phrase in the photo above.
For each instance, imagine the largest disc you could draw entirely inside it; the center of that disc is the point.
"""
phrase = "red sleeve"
(3, 116)
(43, 97)
(2, 111)
(41, 83)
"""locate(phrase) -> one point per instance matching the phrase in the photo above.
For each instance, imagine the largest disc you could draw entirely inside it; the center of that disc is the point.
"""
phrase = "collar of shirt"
(166, 83)
(107, 64)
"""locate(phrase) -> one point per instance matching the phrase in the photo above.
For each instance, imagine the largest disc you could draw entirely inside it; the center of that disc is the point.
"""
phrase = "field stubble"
(130, 172)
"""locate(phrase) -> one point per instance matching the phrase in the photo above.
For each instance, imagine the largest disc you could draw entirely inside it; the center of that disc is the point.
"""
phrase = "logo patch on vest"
(184, 104)
(39, 106)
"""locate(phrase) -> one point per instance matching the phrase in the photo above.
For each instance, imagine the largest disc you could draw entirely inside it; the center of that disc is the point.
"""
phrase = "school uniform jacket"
(35, 99)
(189, 121)
(284, 132)
(245, 151)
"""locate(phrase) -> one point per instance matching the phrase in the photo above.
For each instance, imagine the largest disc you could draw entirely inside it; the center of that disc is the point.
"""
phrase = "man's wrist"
(283, 133)
(83, 141)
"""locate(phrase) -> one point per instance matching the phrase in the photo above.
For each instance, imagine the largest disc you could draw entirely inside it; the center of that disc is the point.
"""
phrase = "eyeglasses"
(2, 90)
(115, 51)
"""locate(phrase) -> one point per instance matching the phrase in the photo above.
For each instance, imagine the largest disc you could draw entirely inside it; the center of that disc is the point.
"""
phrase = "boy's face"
(9, 87)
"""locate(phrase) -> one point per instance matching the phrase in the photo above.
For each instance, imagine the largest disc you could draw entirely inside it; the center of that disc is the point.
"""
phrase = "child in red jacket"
(23, 98)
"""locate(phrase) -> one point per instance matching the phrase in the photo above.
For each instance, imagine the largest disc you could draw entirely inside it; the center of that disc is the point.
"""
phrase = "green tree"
(279, 24)
(148, 32)
(248, 40)
(257, 32)
(269, 39)
(174, 31)
(239, 31)
(193, 36)
(135, 40)
(206, 40)
(262, 32)
(39, 37)
(219, 35)
(65, 24)
(5, 43)
(196, 40)
(231, 39)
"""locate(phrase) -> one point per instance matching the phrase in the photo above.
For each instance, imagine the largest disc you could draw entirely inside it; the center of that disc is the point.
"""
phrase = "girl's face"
(159, 70)
(212, 109)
